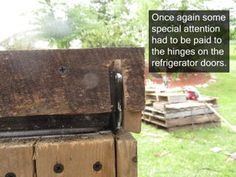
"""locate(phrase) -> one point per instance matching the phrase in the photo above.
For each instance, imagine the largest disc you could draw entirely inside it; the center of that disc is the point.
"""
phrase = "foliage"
(104, 23)
(233, 34)
(19, 41)
(233, 50)
(52, 24)
(101, 23)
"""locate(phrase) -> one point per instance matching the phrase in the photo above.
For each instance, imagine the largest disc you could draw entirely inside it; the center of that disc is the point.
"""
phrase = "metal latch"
(116, 87)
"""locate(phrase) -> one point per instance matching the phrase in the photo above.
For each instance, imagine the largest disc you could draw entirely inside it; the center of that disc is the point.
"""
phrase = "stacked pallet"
(171, 111)
(150, 96)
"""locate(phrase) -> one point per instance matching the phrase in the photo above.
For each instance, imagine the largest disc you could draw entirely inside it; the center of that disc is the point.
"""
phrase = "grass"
(233, 50)
(188, 153)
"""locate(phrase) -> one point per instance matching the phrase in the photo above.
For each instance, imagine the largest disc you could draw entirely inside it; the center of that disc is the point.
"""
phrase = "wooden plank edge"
(126, 155)
(132, 121)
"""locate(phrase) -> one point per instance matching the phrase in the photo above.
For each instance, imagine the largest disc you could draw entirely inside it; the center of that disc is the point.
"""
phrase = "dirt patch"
(183, 79)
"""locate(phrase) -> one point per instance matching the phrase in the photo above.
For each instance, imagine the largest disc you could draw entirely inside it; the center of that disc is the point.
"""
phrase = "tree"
(19, 41)
(52, 24)
(104, 23)
(233, 23)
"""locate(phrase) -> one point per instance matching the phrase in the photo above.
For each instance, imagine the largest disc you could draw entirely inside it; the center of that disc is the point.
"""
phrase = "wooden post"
(16, 158)
(126, 155)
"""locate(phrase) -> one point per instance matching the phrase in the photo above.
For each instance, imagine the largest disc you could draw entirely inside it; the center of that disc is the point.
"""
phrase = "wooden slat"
(187, 113)
(153, 120)
(126, 154)
(132, 121)
(147, 90)
(79, 156)
(208, 99)
(185, 127)
(192, 120)
(17, 158)
(153, 115)
(171, 97)
(174, 107)
(185, 105)
(178, 113)
(160, 106)
(196, 119)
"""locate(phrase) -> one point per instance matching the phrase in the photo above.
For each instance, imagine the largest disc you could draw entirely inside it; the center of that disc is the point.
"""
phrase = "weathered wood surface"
(197, 119)
(178, 113)
(91, 156)
(161, 106)
(171, 97)
(16, 158)
(160, 125)
(176, 107)
(132, 121)
(126, 154)
(48, 82)
(208, 99)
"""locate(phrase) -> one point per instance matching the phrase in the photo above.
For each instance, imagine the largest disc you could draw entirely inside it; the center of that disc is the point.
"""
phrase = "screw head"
(10, 174)
(58, 168)
(97, 166)
(62, 70)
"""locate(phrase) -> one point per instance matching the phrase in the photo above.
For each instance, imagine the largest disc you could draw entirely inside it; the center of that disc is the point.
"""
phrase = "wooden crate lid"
(48, 82)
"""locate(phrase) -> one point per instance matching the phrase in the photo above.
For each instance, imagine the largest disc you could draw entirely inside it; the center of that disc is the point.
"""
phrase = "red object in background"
(191, 95)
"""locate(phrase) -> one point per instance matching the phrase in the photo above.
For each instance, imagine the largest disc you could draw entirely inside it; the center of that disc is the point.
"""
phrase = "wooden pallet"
(171, 97)
(208, 99)
(187, 127)
(149, 102)
(178, 113)
(170, 107)
(182, 123)
(150, 97)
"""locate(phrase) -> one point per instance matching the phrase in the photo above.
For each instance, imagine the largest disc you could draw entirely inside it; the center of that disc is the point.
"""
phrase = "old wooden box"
(69, 89)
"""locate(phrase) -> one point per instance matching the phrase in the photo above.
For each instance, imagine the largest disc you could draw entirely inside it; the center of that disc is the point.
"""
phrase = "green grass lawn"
(233, 50)
(188, 153)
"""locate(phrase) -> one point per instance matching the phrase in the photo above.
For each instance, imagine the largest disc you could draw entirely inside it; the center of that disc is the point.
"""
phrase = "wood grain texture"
(126, 154)
(192, 120)
(132, 121)
(171, 97)
(181, 113)
(78, 156)
(31, 83)
(16, 158)
(48, 82)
